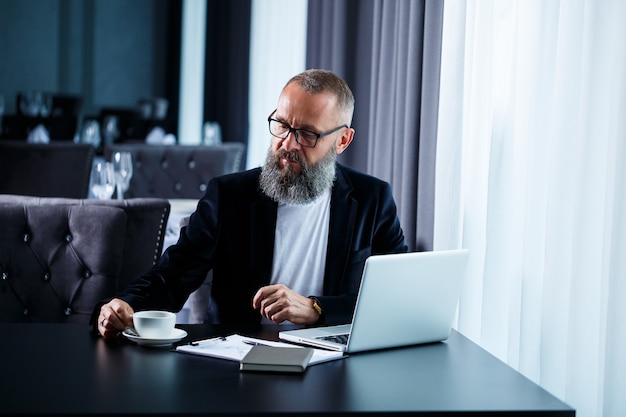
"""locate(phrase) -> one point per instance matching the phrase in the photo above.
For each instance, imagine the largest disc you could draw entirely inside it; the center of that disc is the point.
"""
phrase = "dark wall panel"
(29, 47)
(112, 52)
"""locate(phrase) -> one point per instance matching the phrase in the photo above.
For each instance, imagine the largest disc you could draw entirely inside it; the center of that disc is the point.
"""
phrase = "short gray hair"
(316, 81)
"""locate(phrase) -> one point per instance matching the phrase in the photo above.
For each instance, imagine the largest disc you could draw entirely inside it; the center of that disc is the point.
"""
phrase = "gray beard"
(296, 189)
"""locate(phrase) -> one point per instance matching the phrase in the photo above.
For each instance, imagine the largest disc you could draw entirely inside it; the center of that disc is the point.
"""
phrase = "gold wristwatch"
(316, 305)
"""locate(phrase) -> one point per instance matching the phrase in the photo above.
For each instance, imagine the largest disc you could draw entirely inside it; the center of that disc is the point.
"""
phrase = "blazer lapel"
(263, 212)
(340, 233)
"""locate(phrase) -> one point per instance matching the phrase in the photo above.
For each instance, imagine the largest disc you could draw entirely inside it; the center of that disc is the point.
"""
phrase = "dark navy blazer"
(232, 233)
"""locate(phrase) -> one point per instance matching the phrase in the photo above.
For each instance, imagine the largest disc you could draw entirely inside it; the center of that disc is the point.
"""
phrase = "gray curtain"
(389, 51)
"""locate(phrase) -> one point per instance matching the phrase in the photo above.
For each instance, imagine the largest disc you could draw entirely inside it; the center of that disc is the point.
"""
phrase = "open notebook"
(404, 299)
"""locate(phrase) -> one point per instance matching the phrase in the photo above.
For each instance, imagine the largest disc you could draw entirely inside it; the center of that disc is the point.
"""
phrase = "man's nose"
(290, 143)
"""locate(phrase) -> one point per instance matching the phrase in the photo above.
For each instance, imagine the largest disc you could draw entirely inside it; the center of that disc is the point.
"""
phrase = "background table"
(64, 369)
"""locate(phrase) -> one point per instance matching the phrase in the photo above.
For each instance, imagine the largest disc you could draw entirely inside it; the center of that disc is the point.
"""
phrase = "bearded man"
(286, 242)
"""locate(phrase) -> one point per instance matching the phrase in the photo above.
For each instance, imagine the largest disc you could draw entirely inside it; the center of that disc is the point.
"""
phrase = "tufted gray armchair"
(177, 171)
(59, 257)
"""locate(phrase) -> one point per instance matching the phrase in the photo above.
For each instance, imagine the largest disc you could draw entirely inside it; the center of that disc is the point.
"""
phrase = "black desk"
(64, 369)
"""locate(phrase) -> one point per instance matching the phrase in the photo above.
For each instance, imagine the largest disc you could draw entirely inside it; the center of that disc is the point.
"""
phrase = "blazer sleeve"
(183, 266)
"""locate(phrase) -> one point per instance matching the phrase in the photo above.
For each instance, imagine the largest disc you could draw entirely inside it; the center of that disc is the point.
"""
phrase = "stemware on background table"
(123, 168)
(90, 133)
(102, 180)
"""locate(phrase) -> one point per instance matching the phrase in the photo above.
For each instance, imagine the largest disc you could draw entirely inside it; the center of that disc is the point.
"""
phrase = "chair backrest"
(59, 257)
(131, 126)
(177, 171)
(62, 120)
(45, 170)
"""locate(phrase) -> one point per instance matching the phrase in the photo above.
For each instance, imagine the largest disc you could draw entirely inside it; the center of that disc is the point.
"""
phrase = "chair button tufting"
(68, 238)
(25, 312)
(202, 187)
(46, 276)
(68, 311)
(87, 274)
(192, 164)
(5, 276)
(164, 164)
(178, 186)
(26, 237)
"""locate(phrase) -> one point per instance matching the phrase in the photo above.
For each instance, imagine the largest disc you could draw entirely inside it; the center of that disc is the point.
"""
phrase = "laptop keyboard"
(342, 339)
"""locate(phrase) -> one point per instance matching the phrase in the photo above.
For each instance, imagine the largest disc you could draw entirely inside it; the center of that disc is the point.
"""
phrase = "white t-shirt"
(301, 238)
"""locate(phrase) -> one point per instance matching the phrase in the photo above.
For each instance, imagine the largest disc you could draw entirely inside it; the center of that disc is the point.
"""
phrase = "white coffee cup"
(154, 324)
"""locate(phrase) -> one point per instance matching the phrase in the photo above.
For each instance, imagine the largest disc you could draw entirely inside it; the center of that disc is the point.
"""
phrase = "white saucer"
(175, 336)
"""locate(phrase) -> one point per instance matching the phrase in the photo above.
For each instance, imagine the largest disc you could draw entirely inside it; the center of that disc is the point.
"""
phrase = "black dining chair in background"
(60, 114)
(177, 171)
(45, 170)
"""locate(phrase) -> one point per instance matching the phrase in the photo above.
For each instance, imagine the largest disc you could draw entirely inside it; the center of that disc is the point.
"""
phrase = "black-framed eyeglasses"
(304, 137)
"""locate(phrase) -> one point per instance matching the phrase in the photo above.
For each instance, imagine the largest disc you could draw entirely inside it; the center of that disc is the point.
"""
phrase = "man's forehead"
(302, 107)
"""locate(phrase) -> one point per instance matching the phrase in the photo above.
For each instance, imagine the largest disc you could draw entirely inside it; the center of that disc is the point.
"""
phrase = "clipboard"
(235, 347)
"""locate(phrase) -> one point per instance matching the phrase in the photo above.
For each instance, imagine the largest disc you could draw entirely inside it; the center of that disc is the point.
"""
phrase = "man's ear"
(344, 140)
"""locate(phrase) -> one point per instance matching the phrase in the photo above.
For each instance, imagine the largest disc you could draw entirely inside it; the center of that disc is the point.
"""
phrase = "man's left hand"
(279, 303)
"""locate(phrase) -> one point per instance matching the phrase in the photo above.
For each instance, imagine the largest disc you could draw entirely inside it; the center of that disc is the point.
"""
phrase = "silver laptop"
(404, 299)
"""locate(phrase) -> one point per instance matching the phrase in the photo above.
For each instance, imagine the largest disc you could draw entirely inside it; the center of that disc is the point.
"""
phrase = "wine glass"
(45, 107)
(102, 180)
(110, 129)
(29, 103)
(91, 133)
(123, 168)
(212, 133)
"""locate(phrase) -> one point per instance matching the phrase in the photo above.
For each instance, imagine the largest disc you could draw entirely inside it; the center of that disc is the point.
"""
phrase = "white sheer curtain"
(531, 178)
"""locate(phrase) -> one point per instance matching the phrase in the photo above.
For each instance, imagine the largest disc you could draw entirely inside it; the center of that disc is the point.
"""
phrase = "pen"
(253, 343)
(197, 343)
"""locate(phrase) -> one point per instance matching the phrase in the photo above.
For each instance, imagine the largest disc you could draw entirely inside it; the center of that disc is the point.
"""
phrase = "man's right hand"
(115, 316)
